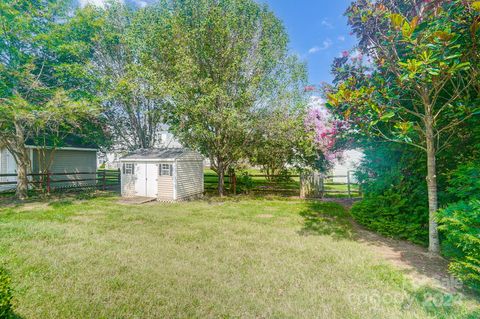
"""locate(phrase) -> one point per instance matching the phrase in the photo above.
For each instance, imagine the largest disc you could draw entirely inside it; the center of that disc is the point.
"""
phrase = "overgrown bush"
(460, 227)
(395, 197)
(464, 182)
(390, 214)
(5, 295)
(245, 182)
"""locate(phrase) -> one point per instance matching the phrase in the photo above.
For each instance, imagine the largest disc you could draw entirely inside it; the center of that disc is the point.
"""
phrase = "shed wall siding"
(189, 179)
(165, 188)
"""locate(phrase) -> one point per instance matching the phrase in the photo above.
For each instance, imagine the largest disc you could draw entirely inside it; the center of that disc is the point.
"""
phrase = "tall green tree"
(420, 82)
(133, 109)
(280, 138)
(219, 62)
(43, 82)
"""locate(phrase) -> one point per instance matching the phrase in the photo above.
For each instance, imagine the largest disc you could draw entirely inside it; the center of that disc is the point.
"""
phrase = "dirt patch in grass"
(415, 261)
(265, 216)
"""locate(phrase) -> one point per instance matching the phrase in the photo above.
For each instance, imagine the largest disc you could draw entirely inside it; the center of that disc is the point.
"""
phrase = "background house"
(68, 159)
(348, 163)
(111, 159)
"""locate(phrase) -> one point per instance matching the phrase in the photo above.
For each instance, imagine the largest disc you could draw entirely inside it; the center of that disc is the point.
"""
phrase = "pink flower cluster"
(325, 131)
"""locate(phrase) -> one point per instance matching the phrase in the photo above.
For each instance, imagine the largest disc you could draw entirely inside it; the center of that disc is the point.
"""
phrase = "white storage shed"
(168, 174)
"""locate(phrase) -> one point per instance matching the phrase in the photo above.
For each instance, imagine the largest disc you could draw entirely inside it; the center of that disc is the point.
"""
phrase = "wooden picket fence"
(54, 181)
(317, 185)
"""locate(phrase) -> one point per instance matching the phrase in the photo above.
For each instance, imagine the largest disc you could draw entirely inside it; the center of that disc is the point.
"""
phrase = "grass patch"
(94, 258)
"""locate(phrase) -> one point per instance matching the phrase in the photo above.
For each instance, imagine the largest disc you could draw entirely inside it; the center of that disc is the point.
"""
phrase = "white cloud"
(325, 45)
(327, 24)
(341, 38)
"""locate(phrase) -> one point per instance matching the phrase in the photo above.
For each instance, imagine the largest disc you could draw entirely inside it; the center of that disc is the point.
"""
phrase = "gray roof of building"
(157, 153)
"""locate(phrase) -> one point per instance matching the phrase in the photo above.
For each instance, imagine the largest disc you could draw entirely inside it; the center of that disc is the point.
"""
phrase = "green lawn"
(96, 258)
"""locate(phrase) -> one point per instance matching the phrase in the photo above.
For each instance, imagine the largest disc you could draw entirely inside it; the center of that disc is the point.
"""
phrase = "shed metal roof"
(159, 153)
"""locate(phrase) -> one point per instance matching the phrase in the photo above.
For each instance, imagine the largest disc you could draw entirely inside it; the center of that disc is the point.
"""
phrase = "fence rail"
(293, 185)
(53, 181)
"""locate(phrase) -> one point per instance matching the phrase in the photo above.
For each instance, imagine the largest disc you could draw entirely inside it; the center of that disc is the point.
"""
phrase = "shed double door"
(146, 183)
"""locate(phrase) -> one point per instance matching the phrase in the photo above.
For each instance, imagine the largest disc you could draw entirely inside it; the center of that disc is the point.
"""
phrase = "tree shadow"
(322, 218)
(13, 315)
(54, 199)
(61, 203)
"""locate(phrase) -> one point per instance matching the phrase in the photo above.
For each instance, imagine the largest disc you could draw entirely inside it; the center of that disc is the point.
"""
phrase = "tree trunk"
(22, 180)
(22, 159)
(233, 181)
(434, 243)
(221, 177)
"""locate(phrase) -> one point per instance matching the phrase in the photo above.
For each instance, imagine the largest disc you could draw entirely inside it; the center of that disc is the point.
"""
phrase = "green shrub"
(5, 295)
(283, 176)
(464, 182)
(460, 227)
(390, 214)
(395, 192)
(245, 182)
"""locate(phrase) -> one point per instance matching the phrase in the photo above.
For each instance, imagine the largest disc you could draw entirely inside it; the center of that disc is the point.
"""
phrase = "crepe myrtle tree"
(324, 131)
(413, 78)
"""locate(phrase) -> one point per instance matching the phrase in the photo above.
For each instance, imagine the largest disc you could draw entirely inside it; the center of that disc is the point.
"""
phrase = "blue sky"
(318, 32)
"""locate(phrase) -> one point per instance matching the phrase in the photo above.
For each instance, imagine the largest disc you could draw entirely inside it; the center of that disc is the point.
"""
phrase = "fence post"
(104, 180)
(348, 181)
(322, 186)
(234, 183)
(302, 185)
(48, 182)
(119, 178)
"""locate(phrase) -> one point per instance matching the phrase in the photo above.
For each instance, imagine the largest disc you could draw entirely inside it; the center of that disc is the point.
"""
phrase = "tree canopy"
(44, 89)
(224, 70)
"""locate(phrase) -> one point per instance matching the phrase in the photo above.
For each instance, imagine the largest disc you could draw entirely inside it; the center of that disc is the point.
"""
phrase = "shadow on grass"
(322, 218)
(12, 315)
(55, 200)
(61, 203)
